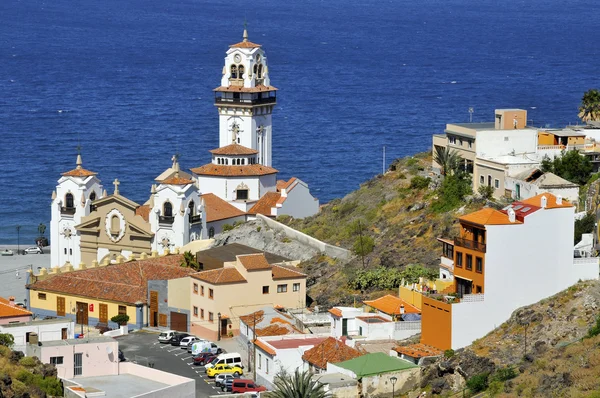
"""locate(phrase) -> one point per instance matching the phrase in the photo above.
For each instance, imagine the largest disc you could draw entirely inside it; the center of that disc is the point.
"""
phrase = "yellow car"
(222, 369)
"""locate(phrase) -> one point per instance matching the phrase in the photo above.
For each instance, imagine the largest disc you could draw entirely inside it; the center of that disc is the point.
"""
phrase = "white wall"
(388, 330)
(299, 202)
(528, 190)
(45, 331)
(502, 142)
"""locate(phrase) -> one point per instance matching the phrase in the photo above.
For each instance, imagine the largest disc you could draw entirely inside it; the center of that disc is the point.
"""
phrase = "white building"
(39, 331)
(532, 182)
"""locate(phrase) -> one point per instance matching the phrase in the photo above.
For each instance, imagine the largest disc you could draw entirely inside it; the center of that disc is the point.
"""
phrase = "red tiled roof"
(125, 283)
(250, 319)
(265, 204)
(280, 272)
(266, 348)
(8, 310)
(220, 276)
(233, 149)
(281, 184)
(242, 89)
(143, 211)
(330, 350)
(253, 262)
(295, 343)
(218, 209)
(390, 305)
(212, 169)
(79, 172)
(245, 44)
(418, 350)
(175, 180)
(336, 312)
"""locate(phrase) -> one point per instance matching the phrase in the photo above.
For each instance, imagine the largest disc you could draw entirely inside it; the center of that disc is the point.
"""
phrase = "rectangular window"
(195, 311)
(78, 364)
(479, 265)
(265, 289)
(460, 141)
(470, 144)
(41, 296)
(202, 290)
(60, 306)
(482, 179)
(459, 259)
(469, 265)
(211, 293)
(201, 313)
(267, 365)
(452, 139)
(242, 194)
(497, 183)
(448, 251)
(195, 288)
(210, 317)
(122, 310)
(296, 287)
(260, 361)
(282, 288)
(56, 360)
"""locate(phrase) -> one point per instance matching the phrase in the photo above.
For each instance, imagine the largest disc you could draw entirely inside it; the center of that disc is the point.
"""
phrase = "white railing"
(472, 298)
(586, 261)
(408, 325)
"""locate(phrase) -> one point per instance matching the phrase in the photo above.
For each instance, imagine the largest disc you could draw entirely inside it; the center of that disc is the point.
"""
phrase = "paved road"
(13, 284)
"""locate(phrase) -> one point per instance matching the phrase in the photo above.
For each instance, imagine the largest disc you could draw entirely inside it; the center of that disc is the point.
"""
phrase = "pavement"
(13, 271)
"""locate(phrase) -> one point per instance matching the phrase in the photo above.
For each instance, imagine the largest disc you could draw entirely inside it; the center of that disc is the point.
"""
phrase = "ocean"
(131, 81)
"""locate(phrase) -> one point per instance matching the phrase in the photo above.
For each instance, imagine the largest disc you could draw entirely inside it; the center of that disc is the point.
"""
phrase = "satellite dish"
(109, 350)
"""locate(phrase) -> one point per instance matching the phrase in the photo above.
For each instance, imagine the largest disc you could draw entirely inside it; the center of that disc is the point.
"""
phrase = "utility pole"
(362, 252)
(253, 345)
(18, 239)
(383, 170)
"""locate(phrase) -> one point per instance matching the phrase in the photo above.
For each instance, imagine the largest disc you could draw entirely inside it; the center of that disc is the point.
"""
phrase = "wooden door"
(103, 315)
(179, 321)
(60, 306)
(64, 333)
(154, 308)
(82, 313)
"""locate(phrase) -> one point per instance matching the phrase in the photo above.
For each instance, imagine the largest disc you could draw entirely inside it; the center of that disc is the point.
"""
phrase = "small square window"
(296, 287)
(265, 289)
(195, 288)
(497, 183)
(122, 310)
(505, 138)
(41, 296)
(211, 294)
(195, 311)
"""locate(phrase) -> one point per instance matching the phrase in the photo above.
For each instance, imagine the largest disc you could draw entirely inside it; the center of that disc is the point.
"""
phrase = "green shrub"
(258, 228)
(495, 388)
(449, 353)
(121, 319)
(478, 382)
(504, 374)
(28, 362)
(594, 330)
(25, 376)
(50, 385)
(452, 192)
(19, 388)
(486, 191)
(238, 223)
(363, 245)
(584, 226)
(418, 182)
(227, 227)
(7, 339)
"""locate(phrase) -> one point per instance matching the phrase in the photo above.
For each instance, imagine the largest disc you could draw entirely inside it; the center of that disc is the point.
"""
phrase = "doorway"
(344, 327)
(463, 286)
(82, 313)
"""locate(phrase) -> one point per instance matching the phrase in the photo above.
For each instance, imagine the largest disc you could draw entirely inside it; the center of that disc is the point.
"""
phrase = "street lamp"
(393, 379)
(18, 239)
(219, 327)
(25, 302)
(81, 319)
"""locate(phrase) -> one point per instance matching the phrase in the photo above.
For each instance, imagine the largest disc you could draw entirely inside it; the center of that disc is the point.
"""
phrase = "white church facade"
(89, 225)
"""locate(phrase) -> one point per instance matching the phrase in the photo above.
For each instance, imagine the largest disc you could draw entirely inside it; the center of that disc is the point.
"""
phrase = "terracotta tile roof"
(281, 184)
(550, 201)
(245, 44)
(8, 310)
(276, 330)
(125, 283)
(220, 276)
(285, 344)
(212, 169)
(79, 172)
(254, 262)
(418, 350)
(390, 305)
(176, 180)
(266, 348)
(330, 350)
(336, 312)
(242, 89)
(488, 216)
(233, 149)
(265, 204)
(269, 324)
(250, 319)
(218, 209)
(144, 212)
(280, 272)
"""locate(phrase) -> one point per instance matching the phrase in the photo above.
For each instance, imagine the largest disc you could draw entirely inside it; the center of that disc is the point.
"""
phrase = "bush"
(7, 339)
(594, 330)
(478, 382)
(363, 245)
(486, 191)
(584, 226)
(258, 228)
(449, 353)
(121, 319)
(504, 374)
(227, 227)
(28, 362)
(452, 192)
(495, 388)
(418, 182)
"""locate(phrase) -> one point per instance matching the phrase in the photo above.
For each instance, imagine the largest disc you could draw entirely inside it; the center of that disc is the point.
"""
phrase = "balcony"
(244, 101)
(470, 244)
(67, 210)
(195, 218)
(166, 219)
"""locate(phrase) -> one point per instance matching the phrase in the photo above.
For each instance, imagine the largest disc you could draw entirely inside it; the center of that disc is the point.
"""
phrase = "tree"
(590, 106)
(448, 160)
(298, 385)
(7, 339)
(571, 166)
(363, 245)
(584, 226)
(486, 191)
(189, 261)
(452, 192)
(120, 319)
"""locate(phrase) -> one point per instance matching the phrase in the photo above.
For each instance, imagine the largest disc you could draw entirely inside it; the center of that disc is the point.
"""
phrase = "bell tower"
(245, 99)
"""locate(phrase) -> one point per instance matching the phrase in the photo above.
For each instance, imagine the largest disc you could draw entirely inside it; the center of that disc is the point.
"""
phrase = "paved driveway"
(143, 348)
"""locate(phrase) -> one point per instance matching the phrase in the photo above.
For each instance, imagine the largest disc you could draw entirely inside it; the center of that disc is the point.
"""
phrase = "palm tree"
(298, 385)
(448, 160)
(189, 261)
(590, 106)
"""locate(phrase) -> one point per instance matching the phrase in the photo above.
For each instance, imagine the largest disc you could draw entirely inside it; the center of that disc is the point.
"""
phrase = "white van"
(205, 346)
(231, 359)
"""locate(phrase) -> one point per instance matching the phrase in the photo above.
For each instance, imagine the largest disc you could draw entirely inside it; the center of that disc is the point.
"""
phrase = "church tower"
(246, 99)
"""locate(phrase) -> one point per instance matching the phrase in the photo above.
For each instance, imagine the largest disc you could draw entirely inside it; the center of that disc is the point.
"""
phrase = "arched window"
(234, 72)
(93, 196)
(168, 209)
(211, 232)
(69, 200)
(260, 71)
(227, 161)
(192, 208)
(115, 224)
(243, 161)
(218, 160)
(241, 71)
(256, 69)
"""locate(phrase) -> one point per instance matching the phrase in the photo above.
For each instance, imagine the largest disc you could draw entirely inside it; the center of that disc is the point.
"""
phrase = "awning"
(461, 277)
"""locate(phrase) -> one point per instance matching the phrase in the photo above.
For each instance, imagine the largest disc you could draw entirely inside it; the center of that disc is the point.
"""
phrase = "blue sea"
(132, 80)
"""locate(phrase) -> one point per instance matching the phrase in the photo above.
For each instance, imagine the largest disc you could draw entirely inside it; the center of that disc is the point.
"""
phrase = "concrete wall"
(9, 319)
(492, 143)
(330, 250)
(179, 386)
(380, 385)
(528, 190)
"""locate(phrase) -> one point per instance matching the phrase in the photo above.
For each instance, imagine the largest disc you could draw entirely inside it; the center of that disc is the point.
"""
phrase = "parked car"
(244, 385)
(231, 359)
(190, 346)
(121, 356)
(227, 385)
(187, 341)
(165, 336)
(177, 337)
(203, 358)
(33, 250)
(220, 379)
(218, 369)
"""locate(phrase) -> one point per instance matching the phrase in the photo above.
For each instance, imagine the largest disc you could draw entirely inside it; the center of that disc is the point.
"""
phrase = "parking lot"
(144, 349)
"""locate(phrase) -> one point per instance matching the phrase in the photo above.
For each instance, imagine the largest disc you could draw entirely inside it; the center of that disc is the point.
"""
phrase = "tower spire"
(245, 36)
(79, 161)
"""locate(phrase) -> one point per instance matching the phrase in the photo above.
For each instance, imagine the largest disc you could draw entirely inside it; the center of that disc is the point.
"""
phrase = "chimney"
(544, 202)
(11, 299)
(343, 338)
(402, 309)
(511, 215)
(558, 199)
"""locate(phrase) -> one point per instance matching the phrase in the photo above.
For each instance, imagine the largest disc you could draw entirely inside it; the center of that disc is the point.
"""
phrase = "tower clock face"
(237, 58)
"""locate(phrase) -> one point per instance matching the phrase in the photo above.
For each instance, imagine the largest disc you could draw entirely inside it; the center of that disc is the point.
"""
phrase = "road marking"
(183, 359)
(181, 353)
(190, 363)
(174, 349)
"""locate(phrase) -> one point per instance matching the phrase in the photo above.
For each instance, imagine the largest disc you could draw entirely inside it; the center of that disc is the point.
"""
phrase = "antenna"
(471, 111)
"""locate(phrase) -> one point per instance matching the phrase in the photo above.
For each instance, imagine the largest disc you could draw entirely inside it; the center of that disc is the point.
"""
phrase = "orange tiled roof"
(218, 209)
(143, 211)
(212, 169)
(254, 262)
(125, 283)
(250, 319)
(79, 172)
(8, 310)
(245, 44)
(176, 180)
(488, 216)
(280, 272)
(220, 276)
(266, 348)
(418, 350)
(550, 201)
(233, 149)
(241, 89)
(265, 204)
(390, 305)
(330, 350)
(336, 312)
(281, 184)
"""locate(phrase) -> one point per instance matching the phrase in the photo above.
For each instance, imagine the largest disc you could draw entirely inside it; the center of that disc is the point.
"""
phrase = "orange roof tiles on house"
(254, 262)
(281, 184)
(550, 201)
(330, 350)
(245, 44)
(220, 170)
(266, 348)
(218, 209)
(336, 312)
(281, 272)
(418, 350)
(125, 283)
(143, 211)
(241, 89)
(79, 172)
(285, 344)
(253, 318)
(265, 204)
(176, 180)
(389, 304)
(220, 276)
(488, 216)
(233, 149)
(11, 310)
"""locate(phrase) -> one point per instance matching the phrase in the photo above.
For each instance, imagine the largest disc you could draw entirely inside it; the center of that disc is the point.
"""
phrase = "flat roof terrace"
(119, 386)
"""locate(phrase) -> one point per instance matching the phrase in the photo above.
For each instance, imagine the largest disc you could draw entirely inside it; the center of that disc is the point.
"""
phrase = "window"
(460, 142)
(469, 265)
(260, 361)
(202, 290)
(234, 72)
(260, 71)
(497, 183)
(69, 201)
(267, 365)
(93, 196)
(65, 250)
(168, 209)
(71, 252)
(78, 364)
(195, 288)
(505, 138)
(459, 259)
(448, 250)
(122, 310)
(211, 294)
(477, 289)
(211, 232)
(202, 313)
(482, 179)
(296, 287)
(265, 289)
(479, 265)
(192, 208)
(56, 360)
(41, 296)
(452, 139)
(115, 224)
(195, 311)
(242, 194)
(241, 71)
(282, 288)
(489, 180)
(210, 317)
(470, 144)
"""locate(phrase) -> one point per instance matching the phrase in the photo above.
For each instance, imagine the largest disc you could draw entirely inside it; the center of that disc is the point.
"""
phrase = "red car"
(203, 358)
(245, 385)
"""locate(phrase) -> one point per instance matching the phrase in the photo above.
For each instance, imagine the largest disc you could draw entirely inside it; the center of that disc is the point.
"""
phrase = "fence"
(472, 298)
(408, 325)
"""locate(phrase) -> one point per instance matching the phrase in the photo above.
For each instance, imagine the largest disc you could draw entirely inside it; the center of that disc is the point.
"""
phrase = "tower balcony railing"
(195, 218)
(67, 210)
(166, 219)
(245, 101)
(470, 244)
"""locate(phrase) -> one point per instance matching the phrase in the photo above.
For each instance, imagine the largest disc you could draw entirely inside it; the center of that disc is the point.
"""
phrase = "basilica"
(90, 225)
